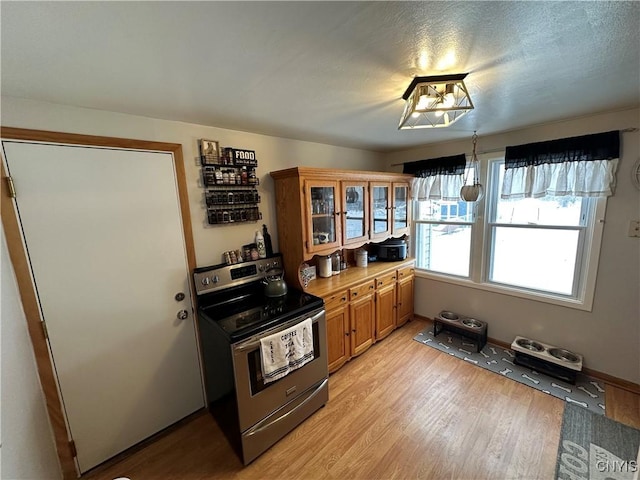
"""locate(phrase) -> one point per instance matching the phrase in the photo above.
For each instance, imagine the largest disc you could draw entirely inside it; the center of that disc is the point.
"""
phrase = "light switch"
(634, 228)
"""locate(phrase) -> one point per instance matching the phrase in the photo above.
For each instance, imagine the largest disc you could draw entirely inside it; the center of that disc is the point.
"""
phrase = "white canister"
(361, 258)
(324, 266)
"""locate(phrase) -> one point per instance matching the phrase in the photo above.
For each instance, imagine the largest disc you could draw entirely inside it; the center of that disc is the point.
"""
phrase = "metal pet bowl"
(530, 345)
(449, 315)
(472, 322)
(564, 355)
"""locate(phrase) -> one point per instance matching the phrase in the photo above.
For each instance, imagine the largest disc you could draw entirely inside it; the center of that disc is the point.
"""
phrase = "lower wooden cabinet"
(338, 328)
(385, 305)
(360, 314)
(404, 295)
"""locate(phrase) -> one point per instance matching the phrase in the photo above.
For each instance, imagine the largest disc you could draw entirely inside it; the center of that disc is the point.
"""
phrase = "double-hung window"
(443, 236)
(538, 244)
(536, 233)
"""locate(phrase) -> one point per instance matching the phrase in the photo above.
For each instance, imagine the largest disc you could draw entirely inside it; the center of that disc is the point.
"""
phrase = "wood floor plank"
(622, 405)
(400, 410)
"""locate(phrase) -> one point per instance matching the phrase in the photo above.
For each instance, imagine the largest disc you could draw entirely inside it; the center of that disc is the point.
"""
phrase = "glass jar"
(335, 264)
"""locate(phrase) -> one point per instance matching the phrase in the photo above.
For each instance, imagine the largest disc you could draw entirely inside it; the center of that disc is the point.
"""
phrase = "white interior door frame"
(20, 261)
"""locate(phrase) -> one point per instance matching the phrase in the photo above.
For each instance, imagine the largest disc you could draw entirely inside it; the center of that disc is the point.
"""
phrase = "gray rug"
(587, 392)
(596, 448)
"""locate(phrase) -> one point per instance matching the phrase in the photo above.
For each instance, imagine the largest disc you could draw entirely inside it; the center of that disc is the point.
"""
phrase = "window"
(537, 243)
(541, 248)
(443, 236)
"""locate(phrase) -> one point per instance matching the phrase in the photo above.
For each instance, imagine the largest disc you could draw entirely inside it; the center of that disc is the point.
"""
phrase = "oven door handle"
(254, 341)
(264, 424)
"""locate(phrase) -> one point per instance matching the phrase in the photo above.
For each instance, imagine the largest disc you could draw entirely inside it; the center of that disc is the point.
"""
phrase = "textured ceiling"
(330, 72)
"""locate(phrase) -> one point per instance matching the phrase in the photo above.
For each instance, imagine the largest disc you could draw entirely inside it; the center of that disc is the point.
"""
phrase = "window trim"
(587, 268)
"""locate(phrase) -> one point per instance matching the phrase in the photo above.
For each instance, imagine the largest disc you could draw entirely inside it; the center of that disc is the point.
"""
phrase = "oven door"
(256, 399)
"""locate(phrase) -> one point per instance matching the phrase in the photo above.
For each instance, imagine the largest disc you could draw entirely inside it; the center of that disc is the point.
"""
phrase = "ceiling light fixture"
(436, 101)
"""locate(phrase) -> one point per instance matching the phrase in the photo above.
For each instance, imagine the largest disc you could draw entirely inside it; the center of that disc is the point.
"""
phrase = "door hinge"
(44, 330)
(11, 187)
(72, 447)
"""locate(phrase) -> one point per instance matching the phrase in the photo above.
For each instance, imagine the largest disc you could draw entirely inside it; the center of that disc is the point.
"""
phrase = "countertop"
(353, 276)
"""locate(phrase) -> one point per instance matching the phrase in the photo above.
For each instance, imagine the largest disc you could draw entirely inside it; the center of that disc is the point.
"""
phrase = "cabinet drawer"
(405, 272)
(387, 279)
(361, 290)
(335, 300)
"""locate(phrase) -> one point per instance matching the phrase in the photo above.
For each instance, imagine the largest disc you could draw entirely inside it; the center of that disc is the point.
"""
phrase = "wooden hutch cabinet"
(322, 210)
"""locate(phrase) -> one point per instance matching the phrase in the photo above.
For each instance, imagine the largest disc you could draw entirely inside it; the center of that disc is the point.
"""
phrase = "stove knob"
(215, 279)
(205, 281)
(261, 268)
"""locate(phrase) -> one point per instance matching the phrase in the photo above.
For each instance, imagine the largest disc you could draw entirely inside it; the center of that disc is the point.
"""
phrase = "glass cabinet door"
(323, 229)
(355, 222)
(380, 209)
(400, 208)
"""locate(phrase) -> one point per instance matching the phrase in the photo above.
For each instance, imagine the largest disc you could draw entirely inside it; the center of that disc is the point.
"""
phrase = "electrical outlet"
(634, 228)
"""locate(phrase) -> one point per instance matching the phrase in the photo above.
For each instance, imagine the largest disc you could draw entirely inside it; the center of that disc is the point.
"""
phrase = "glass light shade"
(429, 98)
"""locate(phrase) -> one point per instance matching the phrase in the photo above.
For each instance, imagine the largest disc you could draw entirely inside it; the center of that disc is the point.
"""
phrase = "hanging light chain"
(474, 159)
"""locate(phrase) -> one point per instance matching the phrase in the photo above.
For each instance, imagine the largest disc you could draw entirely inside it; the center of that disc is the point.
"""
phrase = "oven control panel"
(218, 277)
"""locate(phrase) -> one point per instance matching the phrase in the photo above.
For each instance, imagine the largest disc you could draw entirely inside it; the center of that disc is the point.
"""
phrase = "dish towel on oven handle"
(286, 350)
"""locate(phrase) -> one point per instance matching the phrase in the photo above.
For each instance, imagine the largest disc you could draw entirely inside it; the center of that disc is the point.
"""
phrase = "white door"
(103, 232)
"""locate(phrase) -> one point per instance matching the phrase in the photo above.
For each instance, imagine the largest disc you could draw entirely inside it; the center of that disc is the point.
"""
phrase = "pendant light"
(475, 192)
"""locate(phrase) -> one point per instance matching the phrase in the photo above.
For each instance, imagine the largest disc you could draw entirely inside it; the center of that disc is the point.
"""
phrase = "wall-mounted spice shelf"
(230, 181)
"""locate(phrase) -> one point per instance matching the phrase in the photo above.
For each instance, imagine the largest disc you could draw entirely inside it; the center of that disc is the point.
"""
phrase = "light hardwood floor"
(401, 410)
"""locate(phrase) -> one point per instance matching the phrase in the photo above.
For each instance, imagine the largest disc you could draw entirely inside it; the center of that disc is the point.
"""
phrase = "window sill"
(576, 304)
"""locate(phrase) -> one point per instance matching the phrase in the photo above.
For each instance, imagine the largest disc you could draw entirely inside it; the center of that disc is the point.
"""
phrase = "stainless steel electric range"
(233, 315)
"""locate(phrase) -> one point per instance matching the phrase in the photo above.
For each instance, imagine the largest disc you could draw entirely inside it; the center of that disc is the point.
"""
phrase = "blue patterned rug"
(587, 392)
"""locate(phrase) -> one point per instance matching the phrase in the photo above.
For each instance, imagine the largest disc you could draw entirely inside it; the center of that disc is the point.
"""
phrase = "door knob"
(182, 314)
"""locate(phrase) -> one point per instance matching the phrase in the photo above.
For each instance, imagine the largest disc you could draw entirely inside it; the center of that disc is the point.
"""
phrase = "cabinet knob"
(343, 299)
(353, 331)
(355, 294)
(370, 287)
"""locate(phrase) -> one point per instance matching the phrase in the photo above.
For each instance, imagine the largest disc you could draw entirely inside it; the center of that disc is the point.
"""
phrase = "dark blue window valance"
(599, 146)
(453, 165)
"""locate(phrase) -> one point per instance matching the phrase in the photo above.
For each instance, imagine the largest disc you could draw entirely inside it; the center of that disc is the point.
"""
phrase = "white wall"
(28, 450)
(273, 153)
(609, 335)
(27, 443)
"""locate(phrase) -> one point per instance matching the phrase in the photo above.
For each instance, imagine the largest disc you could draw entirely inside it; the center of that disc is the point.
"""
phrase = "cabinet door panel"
(355, 218)
(405, 299)
(362, 320)
(337, 337)
(380, 209)
(323, 229)
(400, 209)
(385, 310)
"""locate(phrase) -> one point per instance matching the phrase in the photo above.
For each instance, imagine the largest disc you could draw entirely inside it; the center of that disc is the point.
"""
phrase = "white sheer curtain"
(437, 178)
(595, 178)
(578, 166)
(437, 187)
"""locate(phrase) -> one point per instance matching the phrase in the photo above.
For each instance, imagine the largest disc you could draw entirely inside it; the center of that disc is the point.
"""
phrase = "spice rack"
(230, 181)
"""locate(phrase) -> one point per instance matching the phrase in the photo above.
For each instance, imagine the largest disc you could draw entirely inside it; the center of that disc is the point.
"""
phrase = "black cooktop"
(246, 311)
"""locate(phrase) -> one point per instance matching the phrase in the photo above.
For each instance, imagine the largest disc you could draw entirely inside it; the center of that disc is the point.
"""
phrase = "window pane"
(550, 210)
(536, 258)
(443, 248)
(541, 211)
(380, 212)
(442, 210)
